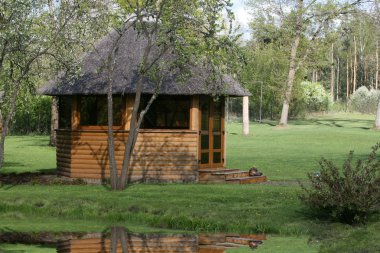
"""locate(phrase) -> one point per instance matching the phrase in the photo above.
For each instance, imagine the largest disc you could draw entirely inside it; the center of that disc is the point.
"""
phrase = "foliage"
(315, 97)
(265, 73)
(41, 37)
(33, 115)
(364, 100)
(348, 194)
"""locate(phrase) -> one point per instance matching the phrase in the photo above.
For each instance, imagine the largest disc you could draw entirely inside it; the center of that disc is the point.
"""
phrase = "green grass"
(288, 154)
(276, 244)
(249, 208)
(19, 248)
(28, 154)
(282, 154)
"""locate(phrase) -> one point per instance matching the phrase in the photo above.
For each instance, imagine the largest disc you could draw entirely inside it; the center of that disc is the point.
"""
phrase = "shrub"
(315, 97)
(364, 100)
(348, 194)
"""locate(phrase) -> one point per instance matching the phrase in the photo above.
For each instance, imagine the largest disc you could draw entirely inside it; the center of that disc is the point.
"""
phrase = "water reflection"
(119, 240)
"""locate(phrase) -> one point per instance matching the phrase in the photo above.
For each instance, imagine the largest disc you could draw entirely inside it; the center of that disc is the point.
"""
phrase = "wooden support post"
(194, 113)
(225, 121)
(75, 113)
(127, 115)
(54, 121)
(245, 116)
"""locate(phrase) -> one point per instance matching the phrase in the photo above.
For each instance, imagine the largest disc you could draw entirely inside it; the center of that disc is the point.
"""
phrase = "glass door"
(211, 139)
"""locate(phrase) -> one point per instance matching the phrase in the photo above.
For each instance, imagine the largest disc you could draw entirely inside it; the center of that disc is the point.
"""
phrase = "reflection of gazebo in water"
(158, 243)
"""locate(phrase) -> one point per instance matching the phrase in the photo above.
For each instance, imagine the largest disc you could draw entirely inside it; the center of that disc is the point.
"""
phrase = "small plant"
(348, 194)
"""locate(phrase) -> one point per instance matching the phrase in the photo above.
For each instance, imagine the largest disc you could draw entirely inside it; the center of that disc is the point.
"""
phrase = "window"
(167, 112)
(93, 111)
(64, 112)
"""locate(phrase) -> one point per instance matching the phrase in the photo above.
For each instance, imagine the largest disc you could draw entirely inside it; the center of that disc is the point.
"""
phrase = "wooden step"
(242, 240)
(233, 174)
(238, 240)
(247, 180)
(222, 170)
(229, 245)
(214, 176)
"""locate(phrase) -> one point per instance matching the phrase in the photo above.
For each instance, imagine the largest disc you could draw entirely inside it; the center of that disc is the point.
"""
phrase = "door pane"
(205, 141)
(204, 158)
(205, 116)
(217, 141)
(217, 116)
(217, 157)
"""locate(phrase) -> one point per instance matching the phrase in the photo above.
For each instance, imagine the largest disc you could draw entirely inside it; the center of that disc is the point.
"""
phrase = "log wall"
(159, 155)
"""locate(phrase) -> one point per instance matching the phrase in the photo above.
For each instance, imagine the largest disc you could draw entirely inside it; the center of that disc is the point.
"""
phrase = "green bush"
(348, 194)
(315, 97)
(364, 100)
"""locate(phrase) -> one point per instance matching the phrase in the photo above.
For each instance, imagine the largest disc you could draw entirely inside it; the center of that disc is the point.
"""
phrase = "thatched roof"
(93, 78)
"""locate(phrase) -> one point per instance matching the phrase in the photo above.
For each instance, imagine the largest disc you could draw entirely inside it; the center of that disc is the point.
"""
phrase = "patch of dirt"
(37, 178)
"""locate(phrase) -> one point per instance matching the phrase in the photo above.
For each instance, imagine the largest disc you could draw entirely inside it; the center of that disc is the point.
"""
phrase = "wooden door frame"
(211, 164)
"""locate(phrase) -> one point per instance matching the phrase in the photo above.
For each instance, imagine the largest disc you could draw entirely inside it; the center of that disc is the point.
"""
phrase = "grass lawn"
(28, 154)
(288, 154)
(282, 154)
(27, 248)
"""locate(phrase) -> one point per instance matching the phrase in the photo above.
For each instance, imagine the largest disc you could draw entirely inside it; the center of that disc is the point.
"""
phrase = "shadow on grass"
(8, 180)
(333, 122)
(47, 171)
(38, 143)
(13, 164)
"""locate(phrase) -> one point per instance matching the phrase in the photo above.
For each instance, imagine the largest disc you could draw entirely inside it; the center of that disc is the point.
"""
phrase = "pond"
(119, 239)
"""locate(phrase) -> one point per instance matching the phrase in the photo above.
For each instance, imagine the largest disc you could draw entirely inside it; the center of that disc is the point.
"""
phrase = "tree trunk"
(292, 65)
(118, 234)
(377, 66)
(337, 79)
(135, 120)
(332, 73)
(355, 66)
(110, 138)
(365, 72)
(54, 121)
(347, 81)
(246, 116)
(377, 120)
(7, 121)
(111, 143)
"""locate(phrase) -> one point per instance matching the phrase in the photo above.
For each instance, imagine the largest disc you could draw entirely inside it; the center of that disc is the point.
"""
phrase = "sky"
(242, 17)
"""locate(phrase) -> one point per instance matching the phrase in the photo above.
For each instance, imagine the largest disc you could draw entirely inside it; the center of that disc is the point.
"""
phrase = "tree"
(193, 31)
(308, 25)
(34, 37)
(322, 14)
(377, 8)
